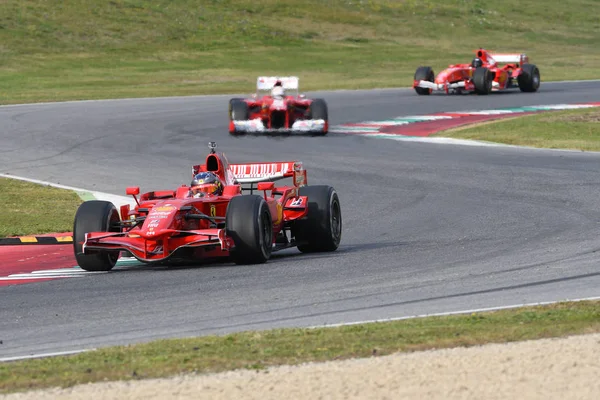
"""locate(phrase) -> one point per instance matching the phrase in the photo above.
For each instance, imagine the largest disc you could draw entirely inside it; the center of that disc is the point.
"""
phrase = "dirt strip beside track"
(567, 368)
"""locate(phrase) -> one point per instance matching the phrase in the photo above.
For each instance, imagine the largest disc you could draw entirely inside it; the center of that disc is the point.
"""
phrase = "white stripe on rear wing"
(510, 58)
(263, 172)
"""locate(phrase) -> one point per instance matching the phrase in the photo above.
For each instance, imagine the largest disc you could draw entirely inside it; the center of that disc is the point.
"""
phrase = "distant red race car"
(212, 218)
(277, 107)
(482, 75)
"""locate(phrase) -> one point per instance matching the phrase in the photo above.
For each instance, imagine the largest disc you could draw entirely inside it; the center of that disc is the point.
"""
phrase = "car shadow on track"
(278, 135)
(287, 255)
(506, 92)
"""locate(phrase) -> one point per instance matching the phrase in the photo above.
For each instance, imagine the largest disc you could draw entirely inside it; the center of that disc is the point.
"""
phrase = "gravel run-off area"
(562, 368)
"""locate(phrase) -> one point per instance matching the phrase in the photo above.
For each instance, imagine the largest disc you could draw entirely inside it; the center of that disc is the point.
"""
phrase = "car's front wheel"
(95, 216)
(318, 110)
(238, 111)
(249, 223)
(424, 74)
(482, 80)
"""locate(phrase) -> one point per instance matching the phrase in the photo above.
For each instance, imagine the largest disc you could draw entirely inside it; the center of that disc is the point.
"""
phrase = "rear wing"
(269, 172)
(510, 58)
(267, 82)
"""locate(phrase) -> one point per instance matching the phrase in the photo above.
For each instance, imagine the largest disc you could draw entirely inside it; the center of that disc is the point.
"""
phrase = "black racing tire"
(238, 111)
(318, 110)
(321, 229)
(249, 223)
(482, 80)
(95, 216)
(424, 74)
(529, 78)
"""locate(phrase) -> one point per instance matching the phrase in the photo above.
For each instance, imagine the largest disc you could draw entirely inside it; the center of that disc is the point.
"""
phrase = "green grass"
(574, 129)
(258, 350)
(29, 208)
(83, 49)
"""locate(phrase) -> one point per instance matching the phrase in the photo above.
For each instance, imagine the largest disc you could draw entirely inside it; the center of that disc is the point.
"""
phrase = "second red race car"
(277, 107)
(482, 76)
(213, 217)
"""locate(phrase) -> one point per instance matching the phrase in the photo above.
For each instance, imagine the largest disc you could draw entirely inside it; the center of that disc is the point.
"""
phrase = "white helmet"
(277, 91)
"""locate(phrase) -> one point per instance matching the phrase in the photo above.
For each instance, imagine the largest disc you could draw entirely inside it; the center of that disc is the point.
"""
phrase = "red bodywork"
(277, 114)
(160, 227)
(458, 77)
(289, 112)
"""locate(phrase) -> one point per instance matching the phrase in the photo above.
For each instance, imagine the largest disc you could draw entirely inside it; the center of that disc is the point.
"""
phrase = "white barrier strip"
(42, 355)
(475, 310)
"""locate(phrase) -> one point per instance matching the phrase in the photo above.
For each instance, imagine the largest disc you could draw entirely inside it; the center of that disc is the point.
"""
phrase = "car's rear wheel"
(424, 74)
(482, 80)
(238, 111)
(321, 230)
(95, 216)
(249, 223)
(529, 78)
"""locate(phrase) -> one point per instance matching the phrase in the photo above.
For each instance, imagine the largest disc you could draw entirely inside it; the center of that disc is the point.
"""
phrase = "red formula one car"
(481, 76)
(212, 218)
(277, 107)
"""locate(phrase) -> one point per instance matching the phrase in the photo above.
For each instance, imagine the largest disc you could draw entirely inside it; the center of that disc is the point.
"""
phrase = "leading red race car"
(277, 107)
(481, 76)
(212, 218)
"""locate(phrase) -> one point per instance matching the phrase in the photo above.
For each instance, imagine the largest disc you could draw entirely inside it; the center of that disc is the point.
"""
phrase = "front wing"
(304, 125)
(162, 247)
(446, 87)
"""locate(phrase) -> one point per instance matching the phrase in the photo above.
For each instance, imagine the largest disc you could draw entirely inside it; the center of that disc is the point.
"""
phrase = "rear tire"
(318, 110)
(238, 111)
(424, 74)
(321, 230)
(482, 79)
(95, 216)
(529, 78)
(249, 223)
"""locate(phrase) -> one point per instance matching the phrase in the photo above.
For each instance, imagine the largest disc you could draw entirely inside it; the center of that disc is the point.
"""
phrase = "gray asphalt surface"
(427, 228)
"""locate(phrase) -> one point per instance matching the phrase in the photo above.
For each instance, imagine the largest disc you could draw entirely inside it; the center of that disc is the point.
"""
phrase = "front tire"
(318, 110)
(482, 80)
(529, 78)
(238, 111)
(321, 230)
(424, 74)
(95, 216)
(249, 223)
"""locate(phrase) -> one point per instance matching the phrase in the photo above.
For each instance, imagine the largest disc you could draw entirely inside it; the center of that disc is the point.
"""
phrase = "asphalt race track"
(427, 228)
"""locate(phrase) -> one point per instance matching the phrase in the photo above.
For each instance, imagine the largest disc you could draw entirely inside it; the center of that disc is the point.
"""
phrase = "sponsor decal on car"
(153, 224)
(166, 208)
(256, 170)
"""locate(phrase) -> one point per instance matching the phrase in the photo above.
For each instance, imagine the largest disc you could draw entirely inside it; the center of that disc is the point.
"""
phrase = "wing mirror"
(265, 185)
(133, 190)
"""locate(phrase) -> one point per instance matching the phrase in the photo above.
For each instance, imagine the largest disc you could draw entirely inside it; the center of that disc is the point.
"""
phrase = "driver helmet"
(277, 90)
(206, 183)
(476, 63)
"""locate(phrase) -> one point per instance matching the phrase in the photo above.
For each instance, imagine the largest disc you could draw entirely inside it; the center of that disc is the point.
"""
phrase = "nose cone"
(159, 218)
(278, 105)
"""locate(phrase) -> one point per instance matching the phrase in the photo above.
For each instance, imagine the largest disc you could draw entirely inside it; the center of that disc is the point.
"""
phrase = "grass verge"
(573, 129)
(30, 209)
(92, 49)
(258, 350)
